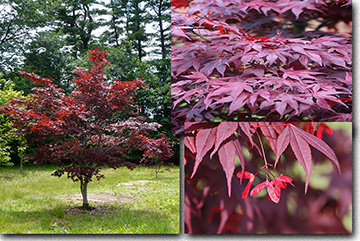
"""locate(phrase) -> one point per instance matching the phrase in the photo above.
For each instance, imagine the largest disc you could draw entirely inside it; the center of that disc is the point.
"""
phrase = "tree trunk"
(21, 166)
(139, 49)
(138, 37)
(162, 37)
(113, 19)
(157, 170)
(83, 187)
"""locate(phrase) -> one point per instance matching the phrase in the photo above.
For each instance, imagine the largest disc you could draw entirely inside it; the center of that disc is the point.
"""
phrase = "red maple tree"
(273, 60)
(95, 126)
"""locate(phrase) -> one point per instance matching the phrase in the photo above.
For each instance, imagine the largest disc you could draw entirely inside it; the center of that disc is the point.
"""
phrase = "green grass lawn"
(126, 202)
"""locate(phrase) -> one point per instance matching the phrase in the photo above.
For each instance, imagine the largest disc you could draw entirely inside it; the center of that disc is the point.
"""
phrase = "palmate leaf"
(285, 101)
(299, 141)
(225, 144)
(318, 144)
(219, 64)
(299, 7)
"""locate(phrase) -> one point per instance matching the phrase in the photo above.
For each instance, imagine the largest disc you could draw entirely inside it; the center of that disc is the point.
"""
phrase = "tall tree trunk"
(72, 30)
(138, 28)
(162, 37)
(139, 49)
(83, 187)
(113, 19)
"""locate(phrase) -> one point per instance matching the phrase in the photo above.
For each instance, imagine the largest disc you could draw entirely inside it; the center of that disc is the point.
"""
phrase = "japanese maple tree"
(95, 126)
(228, 164)
(267, 60)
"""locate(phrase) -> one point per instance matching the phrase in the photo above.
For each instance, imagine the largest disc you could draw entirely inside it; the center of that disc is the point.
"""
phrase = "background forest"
(52, 37)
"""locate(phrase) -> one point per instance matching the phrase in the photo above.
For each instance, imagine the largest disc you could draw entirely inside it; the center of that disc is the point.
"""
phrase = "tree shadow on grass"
(164, 178)
(8, 176)
(14, 172)
(103, 219)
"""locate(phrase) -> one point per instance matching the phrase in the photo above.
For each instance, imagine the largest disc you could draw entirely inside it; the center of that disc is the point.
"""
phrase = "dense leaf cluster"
(12, 146)
(245, 60)
(226, 139)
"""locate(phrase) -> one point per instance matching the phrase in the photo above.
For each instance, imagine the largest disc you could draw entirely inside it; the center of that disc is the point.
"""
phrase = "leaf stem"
(263, 151)
(259, 170)
(202, 37)
(271, 174)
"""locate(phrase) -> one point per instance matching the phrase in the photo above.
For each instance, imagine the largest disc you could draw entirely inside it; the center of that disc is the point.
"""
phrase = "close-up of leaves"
(268, 177)
(273, 60)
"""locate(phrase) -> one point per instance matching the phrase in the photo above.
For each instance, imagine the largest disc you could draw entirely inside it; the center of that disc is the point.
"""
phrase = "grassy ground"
(125, 202)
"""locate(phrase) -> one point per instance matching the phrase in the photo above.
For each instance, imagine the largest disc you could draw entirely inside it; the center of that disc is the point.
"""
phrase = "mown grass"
(38, 203)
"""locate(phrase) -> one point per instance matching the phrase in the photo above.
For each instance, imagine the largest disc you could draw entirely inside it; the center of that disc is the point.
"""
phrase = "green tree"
(155, 100)
(136, 26)
(160, 97)
(78, 19)
(118, 13)
(48, 56)
(128, 19)
(10, 143)
(18, 20)
(159, 12)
